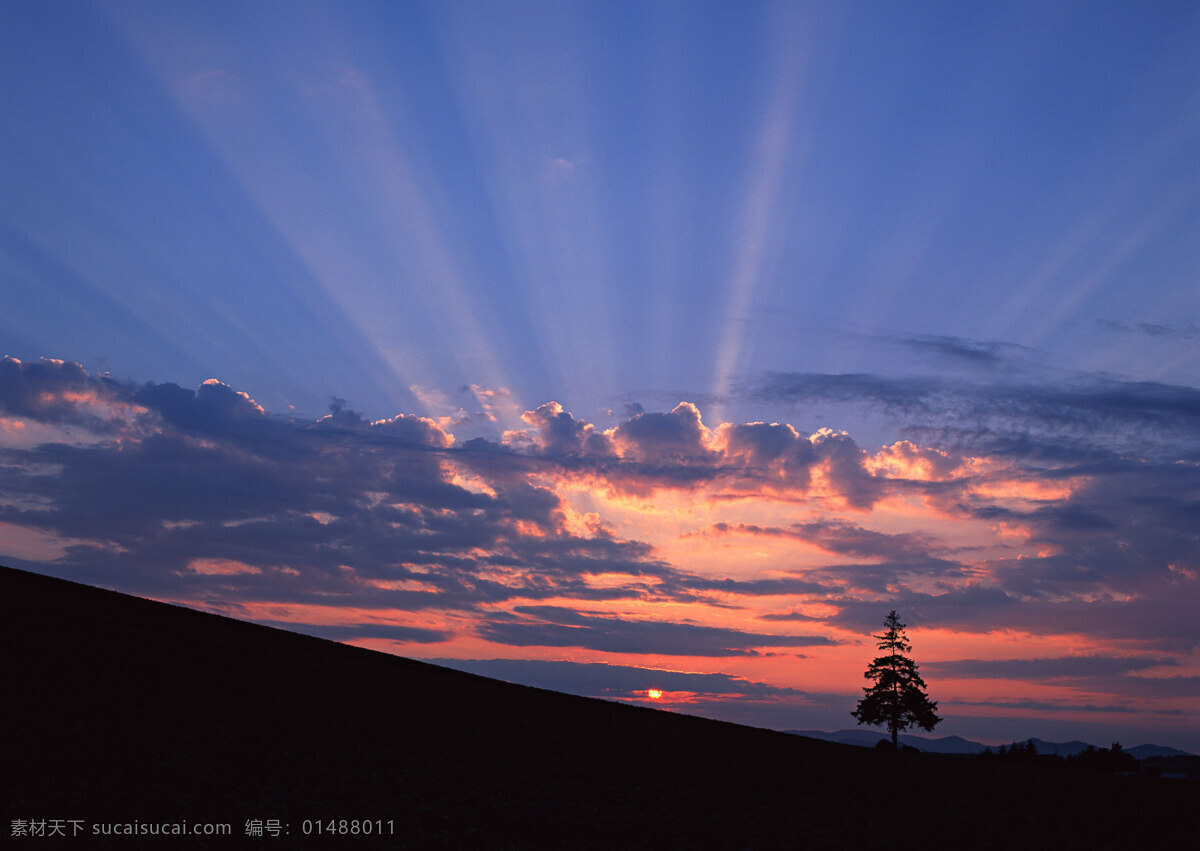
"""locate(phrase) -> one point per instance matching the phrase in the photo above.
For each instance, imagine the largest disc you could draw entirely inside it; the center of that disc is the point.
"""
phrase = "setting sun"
(654, 694)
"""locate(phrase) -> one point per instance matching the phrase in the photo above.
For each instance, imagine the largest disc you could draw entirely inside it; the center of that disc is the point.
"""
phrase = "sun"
(654, 693)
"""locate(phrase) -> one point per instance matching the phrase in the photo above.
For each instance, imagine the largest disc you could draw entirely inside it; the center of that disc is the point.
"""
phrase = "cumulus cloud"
(678, 437)
(556, 433)
(57, 392)
(677, 451)
(212, 407)
(215, 477)
(775, 451)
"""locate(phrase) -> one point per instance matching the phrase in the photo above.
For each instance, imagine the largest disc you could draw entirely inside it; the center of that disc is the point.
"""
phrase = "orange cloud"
(906, 460)
(221, 567)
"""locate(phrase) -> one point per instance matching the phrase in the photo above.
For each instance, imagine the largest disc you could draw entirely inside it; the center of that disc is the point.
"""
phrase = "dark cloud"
(987, 354)
(1172, 331)
(885, 578)
(791, 616)
(558, 434)
(1057, 668)
(1160, 618)
(55, 391)
(595, 679)
(844, 539)
(1131, 524)
(904, 395)
(973, 608)
(674, 438)
(772, 450)
(1091, 413)
(1118, 534)
(214, 407)
(360, 631)
(1158, 687)
(794, 584)
(844, 468)
(209, 477)
(1030, 705)
(556, 626)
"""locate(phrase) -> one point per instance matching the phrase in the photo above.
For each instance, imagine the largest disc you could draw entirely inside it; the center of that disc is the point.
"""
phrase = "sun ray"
(373, 240)
(535, 148)
(775, 151)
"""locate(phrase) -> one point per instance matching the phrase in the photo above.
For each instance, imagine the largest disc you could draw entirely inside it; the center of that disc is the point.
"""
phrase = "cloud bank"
(746, 552)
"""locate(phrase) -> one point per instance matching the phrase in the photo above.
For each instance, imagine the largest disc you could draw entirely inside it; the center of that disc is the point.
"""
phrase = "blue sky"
(595, 203)
(972, 227)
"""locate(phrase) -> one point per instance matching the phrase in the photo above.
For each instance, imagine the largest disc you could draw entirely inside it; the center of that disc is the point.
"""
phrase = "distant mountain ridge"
(959, 745)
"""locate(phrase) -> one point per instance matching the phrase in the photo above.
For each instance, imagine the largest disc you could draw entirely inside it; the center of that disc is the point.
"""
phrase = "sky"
(649, 351)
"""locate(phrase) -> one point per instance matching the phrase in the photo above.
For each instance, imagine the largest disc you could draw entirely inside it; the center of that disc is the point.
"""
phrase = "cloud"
(1056, 668)
(557, 434)
(1160, 687)
(768, 587)
(905, 461)
(1158, 619)
(57, 392)
(678, 437)
(596, 679)
(658, 536)
(774, 450)
(972, 608)
(360, 631)
(213, 407)
(844, 539)
(900, 556)
(1086, 417)
(976, 353)
(1041, 706)
(903, 395)
(1172, 331)
(556, 626)
(790, 616)
(43, 389)
(212, 476)
(676, 451)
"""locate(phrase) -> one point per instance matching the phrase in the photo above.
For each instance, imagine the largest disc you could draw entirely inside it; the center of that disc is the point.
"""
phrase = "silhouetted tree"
(1019, 752)
(1104, 760)
(898, 698)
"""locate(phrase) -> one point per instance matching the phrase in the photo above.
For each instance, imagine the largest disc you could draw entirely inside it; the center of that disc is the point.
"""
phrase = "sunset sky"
(626, 347)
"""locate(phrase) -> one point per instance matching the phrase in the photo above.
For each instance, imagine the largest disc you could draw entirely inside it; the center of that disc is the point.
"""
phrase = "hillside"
(122, 709)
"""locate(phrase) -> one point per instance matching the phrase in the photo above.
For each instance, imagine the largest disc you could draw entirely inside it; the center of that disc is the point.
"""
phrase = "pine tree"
(898, 698)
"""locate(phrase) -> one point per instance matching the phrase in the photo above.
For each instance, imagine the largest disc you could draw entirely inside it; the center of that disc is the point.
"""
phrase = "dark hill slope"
(122, 709)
